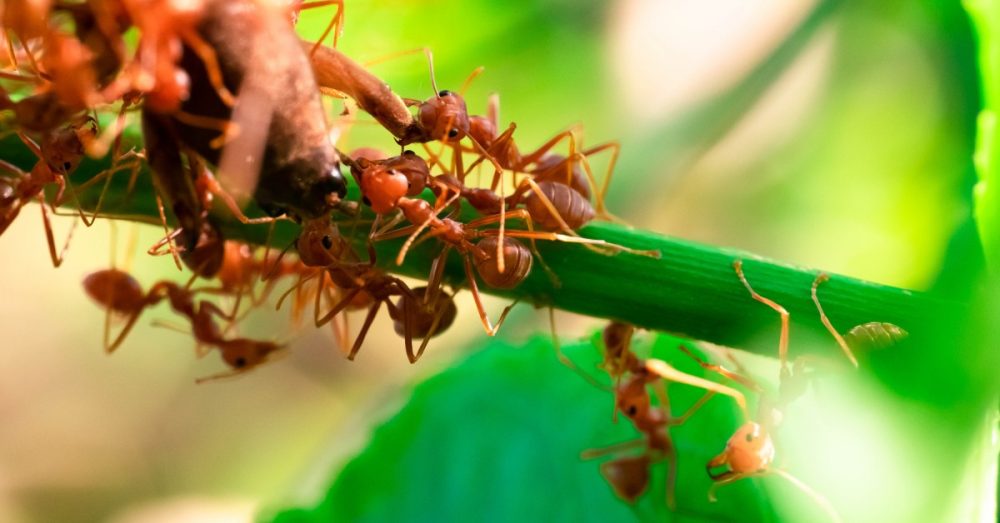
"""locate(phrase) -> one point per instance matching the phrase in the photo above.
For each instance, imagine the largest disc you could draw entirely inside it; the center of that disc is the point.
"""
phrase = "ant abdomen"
(552, 167)
(114, 289)
(628, 476)
(427, 319)
(517, 261)
(875, 335)
(571, 206)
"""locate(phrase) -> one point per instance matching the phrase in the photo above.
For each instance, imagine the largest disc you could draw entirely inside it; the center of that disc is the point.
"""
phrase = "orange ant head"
(243, 354)
(414, 168)
(444, 117)
(517, 260)
(320, 243)
(628, 476)
(749, 450)
(423, 314)
(383, 187)
(114, 289)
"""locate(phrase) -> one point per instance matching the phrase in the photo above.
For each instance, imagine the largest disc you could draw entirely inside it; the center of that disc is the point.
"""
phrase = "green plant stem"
(692, 290)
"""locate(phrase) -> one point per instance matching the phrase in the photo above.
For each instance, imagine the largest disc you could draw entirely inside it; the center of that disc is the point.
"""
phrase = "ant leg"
(820, 279)
(369, 319)
(121, 335)
(337, 21)
(723, 479)
(530, 224)
(493, 110)
(228, 130)
(783, 337)
(680, 420)
(344, 302)
(667, 372)
(818, 498)
(612, 449)
(719, 369)
(169, 237)
(565, 359)
(600, 207)
(57, 259)
(413, 236)
(211, 61)
(491, 330)
(591, 242)
(213, 186)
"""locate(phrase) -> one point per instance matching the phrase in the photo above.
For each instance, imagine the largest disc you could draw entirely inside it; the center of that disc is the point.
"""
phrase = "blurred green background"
(849, 151)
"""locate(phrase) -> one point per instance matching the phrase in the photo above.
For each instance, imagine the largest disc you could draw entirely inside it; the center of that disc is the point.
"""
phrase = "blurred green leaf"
(986, 16)
(498, 438)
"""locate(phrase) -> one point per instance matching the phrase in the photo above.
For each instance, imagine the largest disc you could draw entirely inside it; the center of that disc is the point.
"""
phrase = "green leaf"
(498, 437)
(986, 18)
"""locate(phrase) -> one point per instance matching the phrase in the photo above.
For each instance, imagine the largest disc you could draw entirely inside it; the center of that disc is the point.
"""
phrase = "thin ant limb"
(169, 235)
(665, 371)
(820, 279)
(783, 338)
(491, 329)
(612, 449)
(719, 369)
(337, 22)
(561, 356)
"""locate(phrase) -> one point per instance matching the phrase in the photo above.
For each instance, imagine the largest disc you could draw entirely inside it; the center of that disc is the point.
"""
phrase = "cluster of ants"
(750, 451)
(229, 84)
(231, 107)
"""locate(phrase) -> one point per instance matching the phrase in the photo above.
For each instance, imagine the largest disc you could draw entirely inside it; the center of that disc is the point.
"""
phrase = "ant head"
(414, 168)
(63, 148)
(243, 354)
(114, 289)
(628, 476)
(383, 187)
(517, 260)
(749, 450)
(424, 314)
(444, 117)
(320, 243)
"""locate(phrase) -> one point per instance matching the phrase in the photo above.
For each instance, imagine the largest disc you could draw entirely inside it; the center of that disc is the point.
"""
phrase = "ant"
(321, 245)
(750, 451)
(629, 474)
(298, 166)
(120, 293)
(59, 153)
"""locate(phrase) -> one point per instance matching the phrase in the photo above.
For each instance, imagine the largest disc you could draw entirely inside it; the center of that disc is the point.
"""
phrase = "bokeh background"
(835, 135)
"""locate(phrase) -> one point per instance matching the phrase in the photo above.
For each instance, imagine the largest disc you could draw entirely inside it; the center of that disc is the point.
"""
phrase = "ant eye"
(749, 437)
(67, 165)
(444, 93)
(327, 242)
(240, 362)
(366, 201)
(452, 133)
(632, 410)
(409, 153)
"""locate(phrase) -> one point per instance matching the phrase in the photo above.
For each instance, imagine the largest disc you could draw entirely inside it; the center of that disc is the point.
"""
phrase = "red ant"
(629, 475)
(751, 451)
(121, 294)
(321, 245)
(58, 155)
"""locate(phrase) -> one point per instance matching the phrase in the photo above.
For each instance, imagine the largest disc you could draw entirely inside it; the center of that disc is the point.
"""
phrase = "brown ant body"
(629, 474)
(59, 153)
(120, 293)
